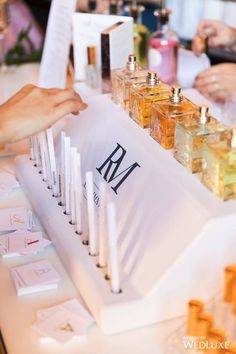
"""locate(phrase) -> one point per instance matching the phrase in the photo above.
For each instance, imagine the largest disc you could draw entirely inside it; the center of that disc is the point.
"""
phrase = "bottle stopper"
(176, 94)
(132, 62)
(203, 114)
(152, 78)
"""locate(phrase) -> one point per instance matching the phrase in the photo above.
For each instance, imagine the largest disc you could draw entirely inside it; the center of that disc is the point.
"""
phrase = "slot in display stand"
(174, 235)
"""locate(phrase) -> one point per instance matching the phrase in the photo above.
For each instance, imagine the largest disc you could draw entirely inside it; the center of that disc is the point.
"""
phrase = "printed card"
(15, 219)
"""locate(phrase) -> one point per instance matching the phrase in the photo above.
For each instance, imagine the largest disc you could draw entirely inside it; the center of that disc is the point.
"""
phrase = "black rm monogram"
(111, 171)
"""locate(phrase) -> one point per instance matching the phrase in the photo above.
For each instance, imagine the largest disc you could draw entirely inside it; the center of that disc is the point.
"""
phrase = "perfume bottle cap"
(203, 114)
(231, 139)
(132, 62)
(134, 10)
(162, 15)
(152, 78)
(176, 94)
(229, 280)
(203, 324)
(91, 53)
(195, 308)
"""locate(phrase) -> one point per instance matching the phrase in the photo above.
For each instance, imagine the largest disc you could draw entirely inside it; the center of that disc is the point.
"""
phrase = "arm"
(34, 109)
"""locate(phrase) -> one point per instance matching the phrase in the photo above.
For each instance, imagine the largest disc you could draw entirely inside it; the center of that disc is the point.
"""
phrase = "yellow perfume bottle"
(144, 95)
(165, 114)
(123, 79)
(191, 136)
(141, 32)
(219, 172)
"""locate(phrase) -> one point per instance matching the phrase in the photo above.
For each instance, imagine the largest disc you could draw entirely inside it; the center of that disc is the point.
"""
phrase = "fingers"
(207, 27)
(60, 96)
(69, 106)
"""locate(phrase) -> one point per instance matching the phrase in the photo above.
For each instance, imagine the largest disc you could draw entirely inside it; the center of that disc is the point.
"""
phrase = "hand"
(218, 82)
(218, 35)
(34, 109)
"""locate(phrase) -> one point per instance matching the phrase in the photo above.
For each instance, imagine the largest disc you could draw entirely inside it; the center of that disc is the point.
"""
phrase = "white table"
(17, 314)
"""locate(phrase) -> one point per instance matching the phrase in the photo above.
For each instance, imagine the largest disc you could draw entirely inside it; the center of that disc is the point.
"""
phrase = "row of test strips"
(64, 179)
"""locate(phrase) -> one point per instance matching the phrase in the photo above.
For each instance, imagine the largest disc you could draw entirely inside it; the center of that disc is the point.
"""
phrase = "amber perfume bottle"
(123, 79)
(144, 95)
(219, 172)
(191, 136)
(165, 115)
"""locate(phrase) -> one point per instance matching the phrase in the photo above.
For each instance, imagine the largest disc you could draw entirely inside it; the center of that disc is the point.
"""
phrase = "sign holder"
(174, 236)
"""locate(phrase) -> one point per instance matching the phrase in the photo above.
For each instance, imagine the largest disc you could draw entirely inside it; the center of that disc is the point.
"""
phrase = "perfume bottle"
(92, 6)
(123, 79)
(141, 33)
(201, 43)
(222, 308)
(165, 114)
(219, 172)
(116, 7)
(195, 308)
(93, 75)
(163, 49)
(191, 136)
(142, 97)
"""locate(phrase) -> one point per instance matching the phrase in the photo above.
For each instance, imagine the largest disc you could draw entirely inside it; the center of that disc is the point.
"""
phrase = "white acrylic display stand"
(175, 237)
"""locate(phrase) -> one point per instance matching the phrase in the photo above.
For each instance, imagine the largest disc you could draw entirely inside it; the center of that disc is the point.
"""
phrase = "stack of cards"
(35, 277)
(63, 322)
(22, 242)
(15, 219)
(8, 183)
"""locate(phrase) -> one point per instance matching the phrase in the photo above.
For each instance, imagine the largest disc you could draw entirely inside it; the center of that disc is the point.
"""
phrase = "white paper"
(72, 305)
(62, 326)
(87, 30)
(34, 277)
(53, 69)
(190, 66)
(8, 183)
(21, 243)
(64, 321)
(15, 219)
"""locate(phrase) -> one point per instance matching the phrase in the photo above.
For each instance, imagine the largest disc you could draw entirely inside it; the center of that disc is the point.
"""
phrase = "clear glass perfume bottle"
(219, 172)
(191, 136)
(165, 115)
(123, 79)
(144, 95)
(163, 49)
(141, 33)
(93, 74)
